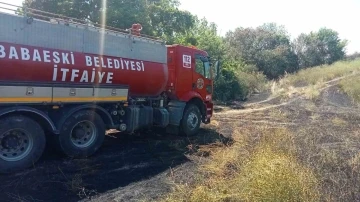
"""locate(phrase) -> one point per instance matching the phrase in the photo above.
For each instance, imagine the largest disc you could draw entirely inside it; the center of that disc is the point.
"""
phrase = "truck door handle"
(193, 86)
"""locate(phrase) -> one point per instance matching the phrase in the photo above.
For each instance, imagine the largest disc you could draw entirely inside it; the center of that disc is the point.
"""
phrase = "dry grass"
(352, 87)
(259, 166)
(308, 82)
(315, 159)
(339, 122)
(334, 156)
(277, 114)
(312, 92)
(322, 73)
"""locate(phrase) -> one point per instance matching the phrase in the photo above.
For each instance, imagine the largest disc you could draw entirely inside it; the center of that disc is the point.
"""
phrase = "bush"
(253, 82)
(228, 87)
(238, 85)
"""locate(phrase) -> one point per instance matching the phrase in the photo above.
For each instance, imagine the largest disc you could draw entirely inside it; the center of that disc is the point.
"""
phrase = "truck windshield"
(203, 66)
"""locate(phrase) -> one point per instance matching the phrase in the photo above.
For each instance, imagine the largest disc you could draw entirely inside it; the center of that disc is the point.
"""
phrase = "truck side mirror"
(217, 69)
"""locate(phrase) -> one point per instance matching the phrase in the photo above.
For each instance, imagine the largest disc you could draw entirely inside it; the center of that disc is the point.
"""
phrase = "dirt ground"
(143, 167)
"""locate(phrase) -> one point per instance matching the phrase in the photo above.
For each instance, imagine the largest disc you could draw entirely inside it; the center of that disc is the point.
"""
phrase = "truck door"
(202, 78)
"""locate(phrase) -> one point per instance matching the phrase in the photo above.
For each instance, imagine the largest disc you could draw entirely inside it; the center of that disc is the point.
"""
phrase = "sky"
(298, 16)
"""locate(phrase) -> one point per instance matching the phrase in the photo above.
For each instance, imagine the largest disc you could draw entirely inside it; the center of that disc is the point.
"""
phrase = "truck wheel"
(82, 134)
(191, 120)
(22, 142)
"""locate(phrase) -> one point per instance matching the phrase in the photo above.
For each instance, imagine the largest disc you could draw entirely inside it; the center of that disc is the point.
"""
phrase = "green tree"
(321, 47)
(204, 36)
(160, 18)
(79, 9)
(267, 46)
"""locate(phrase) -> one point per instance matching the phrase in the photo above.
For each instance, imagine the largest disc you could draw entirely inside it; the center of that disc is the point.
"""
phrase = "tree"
(204, 36)
(167, 20)
(267, 46)
(321, 47)
(79, 9)
(160, 18)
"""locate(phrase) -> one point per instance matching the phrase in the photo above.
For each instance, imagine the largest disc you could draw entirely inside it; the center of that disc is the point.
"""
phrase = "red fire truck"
(69, 82)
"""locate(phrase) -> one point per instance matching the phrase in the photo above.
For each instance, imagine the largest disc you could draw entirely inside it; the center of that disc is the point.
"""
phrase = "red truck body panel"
(21, 63)
(183, 78)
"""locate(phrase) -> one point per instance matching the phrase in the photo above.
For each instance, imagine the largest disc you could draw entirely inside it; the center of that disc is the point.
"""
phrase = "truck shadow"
(122, 160)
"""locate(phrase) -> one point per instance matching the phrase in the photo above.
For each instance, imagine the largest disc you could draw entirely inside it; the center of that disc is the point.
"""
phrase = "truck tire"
(191, 120)
(81, 135)
(22, 142)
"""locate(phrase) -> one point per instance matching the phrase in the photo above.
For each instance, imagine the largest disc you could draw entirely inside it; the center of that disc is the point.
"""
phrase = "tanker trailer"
(69, 82)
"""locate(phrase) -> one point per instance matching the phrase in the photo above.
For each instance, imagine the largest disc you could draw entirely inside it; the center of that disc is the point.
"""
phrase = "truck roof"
(61, 35)
(187, 47)
(61, 19)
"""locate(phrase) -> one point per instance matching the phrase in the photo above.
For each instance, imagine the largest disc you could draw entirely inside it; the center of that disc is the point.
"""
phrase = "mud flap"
(176, 111)
(208, 112)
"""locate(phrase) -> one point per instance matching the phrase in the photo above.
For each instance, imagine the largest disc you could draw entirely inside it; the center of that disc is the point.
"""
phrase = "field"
(299, 141)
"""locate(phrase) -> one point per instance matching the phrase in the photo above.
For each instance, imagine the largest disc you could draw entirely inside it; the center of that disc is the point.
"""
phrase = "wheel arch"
(105, 116)
(195, 98)
(37, 115)
(189, 96)
(200, 104)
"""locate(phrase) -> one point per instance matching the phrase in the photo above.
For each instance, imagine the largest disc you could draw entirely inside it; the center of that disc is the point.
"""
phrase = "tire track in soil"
(256, 107)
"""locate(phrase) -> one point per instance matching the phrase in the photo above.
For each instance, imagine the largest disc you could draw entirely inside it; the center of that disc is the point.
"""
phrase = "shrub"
(232, 85)
(227, 86)
(237, 80)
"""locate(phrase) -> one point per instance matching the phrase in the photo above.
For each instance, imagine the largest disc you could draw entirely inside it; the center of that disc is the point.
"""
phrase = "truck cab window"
(199, 68)
(202, 66)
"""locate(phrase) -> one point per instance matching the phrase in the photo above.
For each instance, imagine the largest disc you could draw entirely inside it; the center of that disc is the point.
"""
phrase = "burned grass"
(124, 163)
